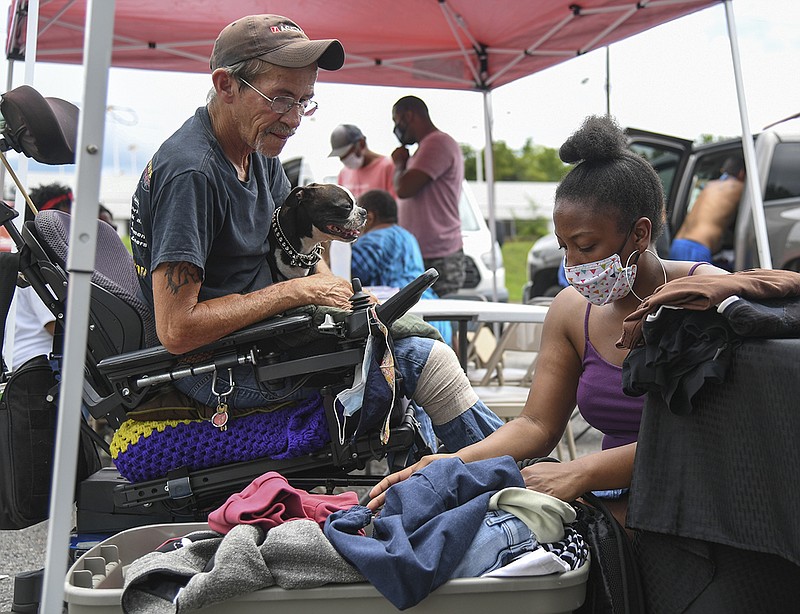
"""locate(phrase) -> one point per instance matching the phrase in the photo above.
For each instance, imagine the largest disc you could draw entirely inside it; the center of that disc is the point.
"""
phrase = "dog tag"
(220, 418)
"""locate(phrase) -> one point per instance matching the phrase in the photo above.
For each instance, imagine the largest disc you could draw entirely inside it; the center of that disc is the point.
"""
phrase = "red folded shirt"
(269, 500)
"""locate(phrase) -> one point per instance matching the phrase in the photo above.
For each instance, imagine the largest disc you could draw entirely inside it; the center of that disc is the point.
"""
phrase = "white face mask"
(353, 160)
(603, 281)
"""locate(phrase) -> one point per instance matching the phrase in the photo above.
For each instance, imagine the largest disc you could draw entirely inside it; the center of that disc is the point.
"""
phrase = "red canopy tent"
(451, 44)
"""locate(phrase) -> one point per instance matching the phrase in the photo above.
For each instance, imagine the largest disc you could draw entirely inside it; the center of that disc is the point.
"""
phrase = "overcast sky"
(677, 79)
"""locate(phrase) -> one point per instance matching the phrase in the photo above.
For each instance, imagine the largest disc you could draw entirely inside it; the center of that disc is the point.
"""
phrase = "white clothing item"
(31, 338)
(544, 515)
(341, 255)
(538, 562)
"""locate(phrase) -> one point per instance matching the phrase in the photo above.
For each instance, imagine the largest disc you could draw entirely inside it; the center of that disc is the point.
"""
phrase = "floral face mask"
(603, 281)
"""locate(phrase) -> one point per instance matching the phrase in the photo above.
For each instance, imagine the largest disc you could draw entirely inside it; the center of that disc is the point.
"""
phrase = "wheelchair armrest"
(396, 306)
(157, 358)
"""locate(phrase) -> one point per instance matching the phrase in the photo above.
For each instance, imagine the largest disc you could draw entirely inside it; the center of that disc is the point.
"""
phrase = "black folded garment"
(777, 318)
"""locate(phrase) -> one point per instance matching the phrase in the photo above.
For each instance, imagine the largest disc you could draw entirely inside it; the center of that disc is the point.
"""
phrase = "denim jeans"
(500, 539)
(411, 354)
(614, 493)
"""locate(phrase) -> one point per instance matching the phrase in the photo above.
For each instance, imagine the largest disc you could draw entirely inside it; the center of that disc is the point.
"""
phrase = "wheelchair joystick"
(360, 299)
(357, 322)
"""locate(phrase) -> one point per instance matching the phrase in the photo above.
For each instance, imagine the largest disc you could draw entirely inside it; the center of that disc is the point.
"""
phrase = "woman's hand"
(378, 493)
(556, 479)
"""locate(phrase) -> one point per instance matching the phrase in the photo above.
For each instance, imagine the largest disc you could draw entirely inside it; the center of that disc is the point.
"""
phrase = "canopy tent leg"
(488, 168)
(753, 183)
(80, 265)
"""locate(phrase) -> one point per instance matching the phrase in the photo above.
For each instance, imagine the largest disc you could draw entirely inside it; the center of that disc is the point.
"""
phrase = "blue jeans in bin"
(500, 539)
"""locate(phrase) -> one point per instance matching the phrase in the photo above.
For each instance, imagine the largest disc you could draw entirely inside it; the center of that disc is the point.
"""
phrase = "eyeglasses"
(283, 104)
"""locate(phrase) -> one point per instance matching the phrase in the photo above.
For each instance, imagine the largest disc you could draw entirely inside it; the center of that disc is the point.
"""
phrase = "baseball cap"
(343, 137)
(274, 39)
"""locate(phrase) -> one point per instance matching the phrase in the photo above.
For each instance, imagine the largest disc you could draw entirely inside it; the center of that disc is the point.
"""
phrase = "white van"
(478, 249)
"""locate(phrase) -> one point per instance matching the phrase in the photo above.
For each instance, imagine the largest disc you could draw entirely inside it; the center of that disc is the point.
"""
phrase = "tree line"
(531, 163)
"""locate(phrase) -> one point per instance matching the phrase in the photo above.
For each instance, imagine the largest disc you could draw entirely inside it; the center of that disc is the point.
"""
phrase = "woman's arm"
(539, 427)
(604, 470)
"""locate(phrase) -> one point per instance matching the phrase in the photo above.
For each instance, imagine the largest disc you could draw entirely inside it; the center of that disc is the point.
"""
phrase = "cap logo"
(284, 27)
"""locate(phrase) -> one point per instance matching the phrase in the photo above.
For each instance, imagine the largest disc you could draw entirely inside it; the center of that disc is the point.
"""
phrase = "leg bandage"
(443, 390)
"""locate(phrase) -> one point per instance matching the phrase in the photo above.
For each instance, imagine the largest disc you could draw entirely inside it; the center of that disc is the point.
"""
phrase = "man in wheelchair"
(200, 216)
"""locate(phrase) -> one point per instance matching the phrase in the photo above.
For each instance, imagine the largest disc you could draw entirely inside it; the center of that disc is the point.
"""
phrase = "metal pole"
(608, 81)
(9, 82)
(489, 172)
(80, 265)
(753, 183)
(31, 34)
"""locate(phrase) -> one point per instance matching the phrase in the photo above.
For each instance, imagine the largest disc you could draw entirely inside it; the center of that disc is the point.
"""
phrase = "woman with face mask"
(608, 212)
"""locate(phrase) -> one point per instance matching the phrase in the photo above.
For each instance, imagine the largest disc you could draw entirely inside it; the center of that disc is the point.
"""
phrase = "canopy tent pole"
(753, 183)
(32, 33)
(488, 169)
(9, 82)
(80, 265)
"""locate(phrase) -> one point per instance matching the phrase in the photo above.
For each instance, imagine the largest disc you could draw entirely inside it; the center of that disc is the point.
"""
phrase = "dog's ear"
(296, 195)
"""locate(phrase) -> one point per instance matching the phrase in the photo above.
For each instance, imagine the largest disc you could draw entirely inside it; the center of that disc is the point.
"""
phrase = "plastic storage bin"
(94, 586)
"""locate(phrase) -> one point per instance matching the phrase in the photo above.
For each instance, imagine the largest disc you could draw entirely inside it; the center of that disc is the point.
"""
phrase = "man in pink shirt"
(428, 185)
(364, 169)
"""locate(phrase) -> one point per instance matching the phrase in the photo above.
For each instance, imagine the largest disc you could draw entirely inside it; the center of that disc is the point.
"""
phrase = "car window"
(784, 172)
(708, 167)
(468, 220)
(663, 159)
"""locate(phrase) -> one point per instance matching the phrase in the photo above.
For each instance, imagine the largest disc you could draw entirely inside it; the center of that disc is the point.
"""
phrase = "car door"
(669, 155)
(778, 160)
(684, 169)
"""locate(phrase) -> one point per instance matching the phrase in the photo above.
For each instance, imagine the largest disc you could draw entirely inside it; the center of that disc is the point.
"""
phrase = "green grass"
(515, 254)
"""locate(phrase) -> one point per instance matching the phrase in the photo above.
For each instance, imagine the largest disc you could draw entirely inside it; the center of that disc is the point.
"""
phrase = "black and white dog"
(311, 214)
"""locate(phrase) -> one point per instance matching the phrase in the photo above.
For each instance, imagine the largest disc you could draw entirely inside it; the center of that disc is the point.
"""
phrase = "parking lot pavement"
(20, 551)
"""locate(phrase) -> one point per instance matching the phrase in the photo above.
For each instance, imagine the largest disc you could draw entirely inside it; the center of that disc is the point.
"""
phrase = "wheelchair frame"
(118, 376)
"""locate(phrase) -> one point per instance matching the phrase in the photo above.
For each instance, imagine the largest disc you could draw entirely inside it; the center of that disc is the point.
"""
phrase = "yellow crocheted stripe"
(131, 431)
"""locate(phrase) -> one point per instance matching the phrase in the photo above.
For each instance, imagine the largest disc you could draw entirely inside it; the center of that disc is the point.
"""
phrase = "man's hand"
(400, 157)
(324, 289)
(378, 493)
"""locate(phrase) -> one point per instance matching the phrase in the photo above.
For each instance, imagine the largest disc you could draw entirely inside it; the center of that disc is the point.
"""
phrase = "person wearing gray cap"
(364, 170)
(202, 210)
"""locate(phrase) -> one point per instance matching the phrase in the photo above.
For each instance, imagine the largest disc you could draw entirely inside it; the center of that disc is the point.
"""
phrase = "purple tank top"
(601, 400)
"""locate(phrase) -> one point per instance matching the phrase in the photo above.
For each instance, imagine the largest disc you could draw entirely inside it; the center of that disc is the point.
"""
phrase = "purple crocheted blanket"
(288, 432)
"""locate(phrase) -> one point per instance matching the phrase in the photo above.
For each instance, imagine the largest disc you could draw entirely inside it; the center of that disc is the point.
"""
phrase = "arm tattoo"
(179, 274)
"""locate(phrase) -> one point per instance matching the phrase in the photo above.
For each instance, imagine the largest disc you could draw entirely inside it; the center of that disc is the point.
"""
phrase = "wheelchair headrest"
(113, 268)
(45, 129)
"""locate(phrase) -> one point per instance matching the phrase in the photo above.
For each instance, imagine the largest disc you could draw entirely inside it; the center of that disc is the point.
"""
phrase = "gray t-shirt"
(190, 206)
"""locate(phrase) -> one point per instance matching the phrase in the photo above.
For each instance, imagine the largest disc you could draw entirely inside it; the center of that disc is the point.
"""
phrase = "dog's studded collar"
(297, 259)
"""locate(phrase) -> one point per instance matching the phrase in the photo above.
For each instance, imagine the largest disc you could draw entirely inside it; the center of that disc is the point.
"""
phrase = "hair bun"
(598, 139)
